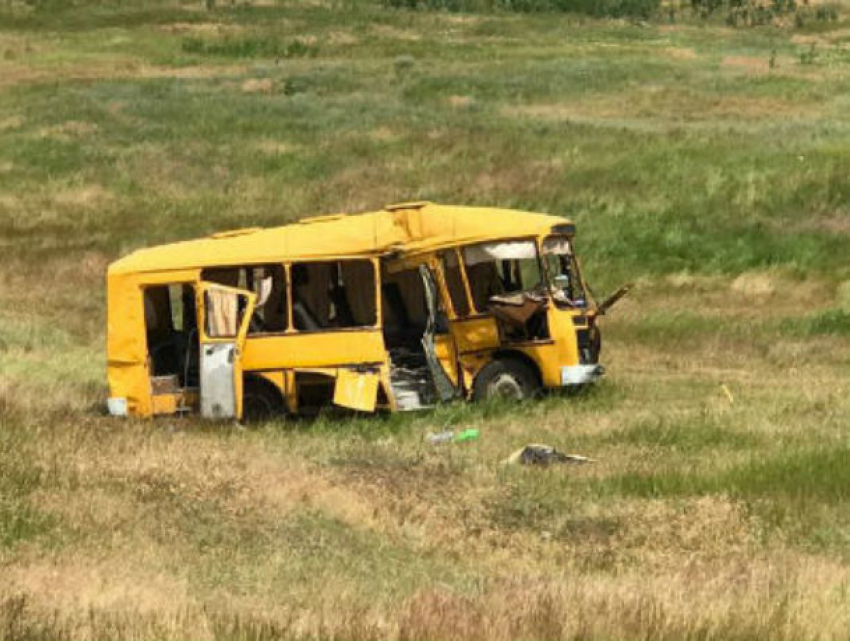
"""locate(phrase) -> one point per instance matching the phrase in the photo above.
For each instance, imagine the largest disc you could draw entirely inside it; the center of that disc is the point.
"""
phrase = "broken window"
(494, 269)
(563, 271)
(333, 295)
(268, 282)
(403, 306)
(454, 282)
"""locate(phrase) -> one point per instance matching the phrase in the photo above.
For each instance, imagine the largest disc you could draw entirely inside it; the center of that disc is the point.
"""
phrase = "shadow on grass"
(455, 415)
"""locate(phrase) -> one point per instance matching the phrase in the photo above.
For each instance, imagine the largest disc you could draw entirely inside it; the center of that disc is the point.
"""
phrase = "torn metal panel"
(609, 302)
(356, 390)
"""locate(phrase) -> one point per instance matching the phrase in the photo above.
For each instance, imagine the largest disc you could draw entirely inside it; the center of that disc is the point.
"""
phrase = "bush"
(754, 13)
(596, 8)
(259, 47)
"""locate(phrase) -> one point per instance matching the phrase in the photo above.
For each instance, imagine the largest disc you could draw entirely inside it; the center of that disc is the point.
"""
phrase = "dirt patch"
(68, 130)
(12, 122)
(842, 293)
(20, 74)
(750, 64)
(81, 196)
(116, 106)
(302, 489)
(754, 284)
(808, 39)
(341, 38)
(275, 147)
(835, 224)
(680, 53)
(460, 102)
(387, 31)
(149, 71)
(681, 279)
(383, 134)
(689, 526)
(465, 19)
(258, 85)
(84, 582)
(201, 28)
(559, 111)
(745, 107)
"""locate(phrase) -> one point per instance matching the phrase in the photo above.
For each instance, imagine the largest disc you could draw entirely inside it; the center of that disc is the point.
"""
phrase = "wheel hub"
(505, 386)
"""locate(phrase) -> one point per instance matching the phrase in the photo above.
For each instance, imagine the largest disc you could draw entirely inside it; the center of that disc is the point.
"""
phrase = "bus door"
(437, 341)
(224, 315)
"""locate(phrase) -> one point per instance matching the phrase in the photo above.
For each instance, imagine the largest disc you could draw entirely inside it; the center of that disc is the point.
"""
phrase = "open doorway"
(171, 329)
(405, 316)
(413, 314)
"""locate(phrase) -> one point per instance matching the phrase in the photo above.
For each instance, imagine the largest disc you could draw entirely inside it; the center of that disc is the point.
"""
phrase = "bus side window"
(268, 282)
(333, 295)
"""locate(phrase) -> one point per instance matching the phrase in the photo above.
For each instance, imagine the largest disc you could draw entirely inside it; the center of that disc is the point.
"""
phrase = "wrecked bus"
(397, 309)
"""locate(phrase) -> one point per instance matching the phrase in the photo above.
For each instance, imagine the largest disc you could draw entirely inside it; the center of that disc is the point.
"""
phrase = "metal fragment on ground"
(539, 454)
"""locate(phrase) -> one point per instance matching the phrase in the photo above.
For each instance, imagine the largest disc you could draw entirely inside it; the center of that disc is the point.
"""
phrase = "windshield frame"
(577, 280)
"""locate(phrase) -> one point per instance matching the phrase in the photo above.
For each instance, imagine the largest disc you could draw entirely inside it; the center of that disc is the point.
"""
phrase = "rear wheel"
(261, 401)
(507, 379)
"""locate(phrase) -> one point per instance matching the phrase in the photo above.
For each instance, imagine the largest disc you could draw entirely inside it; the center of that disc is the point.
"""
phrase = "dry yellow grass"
(619, 567)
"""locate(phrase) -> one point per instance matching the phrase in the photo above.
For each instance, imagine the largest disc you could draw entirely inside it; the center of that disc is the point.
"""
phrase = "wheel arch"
(516, 355)
(257, 381)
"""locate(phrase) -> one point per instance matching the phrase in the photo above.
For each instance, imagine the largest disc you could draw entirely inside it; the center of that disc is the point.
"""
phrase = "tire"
(261, 401)
(507, 379)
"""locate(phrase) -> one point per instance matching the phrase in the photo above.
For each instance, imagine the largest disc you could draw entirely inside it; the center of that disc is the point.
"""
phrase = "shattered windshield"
(495, 269)
(562, 268)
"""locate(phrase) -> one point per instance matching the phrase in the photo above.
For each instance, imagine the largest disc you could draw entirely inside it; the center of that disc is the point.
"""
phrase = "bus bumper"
(580, 374)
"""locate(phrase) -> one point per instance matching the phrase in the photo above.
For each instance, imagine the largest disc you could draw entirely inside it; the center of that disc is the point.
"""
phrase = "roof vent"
(235, 232)
(413, 205)
(320, 219)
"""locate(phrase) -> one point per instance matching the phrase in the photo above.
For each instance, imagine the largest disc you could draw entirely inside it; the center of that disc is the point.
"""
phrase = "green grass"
(830, 322)
(717, 506)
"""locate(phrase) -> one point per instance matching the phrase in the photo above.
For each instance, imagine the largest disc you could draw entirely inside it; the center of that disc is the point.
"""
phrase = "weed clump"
(249, 47)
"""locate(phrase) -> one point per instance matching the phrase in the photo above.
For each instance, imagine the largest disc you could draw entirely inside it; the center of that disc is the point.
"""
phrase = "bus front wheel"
(505, 378)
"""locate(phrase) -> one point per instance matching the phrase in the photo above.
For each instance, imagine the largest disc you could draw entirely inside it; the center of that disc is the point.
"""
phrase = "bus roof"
(408, 228)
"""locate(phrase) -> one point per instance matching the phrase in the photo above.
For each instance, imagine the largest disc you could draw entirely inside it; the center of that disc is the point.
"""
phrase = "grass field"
(710, 164)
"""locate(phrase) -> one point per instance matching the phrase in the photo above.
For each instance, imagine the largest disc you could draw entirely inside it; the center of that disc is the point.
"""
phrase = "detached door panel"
(224, 316)
(356, 390)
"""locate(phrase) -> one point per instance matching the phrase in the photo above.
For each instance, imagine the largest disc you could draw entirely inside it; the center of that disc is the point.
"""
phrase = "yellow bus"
(397, 309)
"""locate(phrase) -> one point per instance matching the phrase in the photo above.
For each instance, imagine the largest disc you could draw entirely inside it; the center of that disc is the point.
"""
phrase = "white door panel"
(218, 394)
